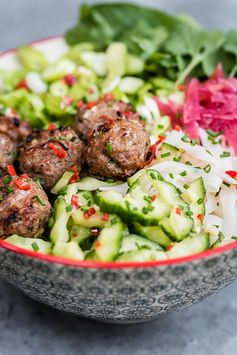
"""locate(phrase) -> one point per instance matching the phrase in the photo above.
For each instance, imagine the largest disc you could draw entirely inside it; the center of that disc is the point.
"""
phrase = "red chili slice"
(177, 128)
(178, 211)
(60, 153)
(75, 201)
(200, 216)
(51, 126)
(21, 184)
(75, 177)
(90, 212)
(232, 173)
(11, 170)
(105, 217)
(25, 176)
(22, 85)
(91, 104)
(80, 104)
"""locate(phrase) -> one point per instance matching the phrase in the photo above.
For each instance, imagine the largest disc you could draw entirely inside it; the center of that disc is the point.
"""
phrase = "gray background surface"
(29, 328)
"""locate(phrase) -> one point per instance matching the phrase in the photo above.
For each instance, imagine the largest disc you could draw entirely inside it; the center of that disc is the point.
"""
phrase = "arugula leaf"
(199, 45)
(231, 47)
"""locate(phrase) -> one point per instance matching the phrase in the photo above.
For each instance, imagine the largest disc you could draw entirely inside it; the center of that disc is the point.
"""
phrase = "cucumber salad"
(121, 147)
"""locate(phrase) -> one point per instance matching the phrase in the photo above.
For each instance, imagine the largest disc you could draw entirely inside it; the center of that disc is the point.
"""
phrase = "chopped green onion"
(145, 210)
(109, 147)
(183, 173)
(188, 163)
(225, 154)
(208, 151)
(207, 168)
(39, 199)
(226, 184)
(35, 246)
(177, 159)
(189, 213)
(171, 175)
(185, 138)
(160, 126)
(193, 141)
(68, 208)
(164, 155)
(9, 189)
(6, 180)
(186, 186)
(147, 198)
(211, 133)
(200, 201)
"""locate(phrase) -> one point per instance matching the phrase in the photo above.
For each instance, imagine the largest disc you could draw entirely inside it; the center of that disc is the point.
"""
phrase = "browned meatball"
(117, 149)
(24, 207)
(48, 154)
(12, 131)
(89, 116)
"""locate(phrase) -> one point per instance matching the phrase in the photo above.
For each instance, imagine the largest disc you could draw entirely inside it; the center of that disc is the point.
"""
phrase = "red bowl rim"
(100, 264)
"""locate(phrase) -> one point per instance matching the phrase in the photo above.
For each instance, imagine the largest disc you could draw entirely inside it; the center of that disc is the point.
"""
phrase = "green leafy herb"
(35, 246)
(40, 200)
(109, 147)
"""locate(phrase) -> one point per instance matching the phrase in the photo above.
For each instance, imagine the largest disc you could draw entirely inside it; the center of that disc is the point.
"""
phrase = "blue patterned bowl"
(122, 293)
(119, 293)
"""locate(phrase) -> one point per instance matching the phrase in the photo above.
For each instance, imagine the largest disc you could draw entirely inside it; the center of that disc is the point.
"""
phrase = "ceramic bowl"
(119, 293)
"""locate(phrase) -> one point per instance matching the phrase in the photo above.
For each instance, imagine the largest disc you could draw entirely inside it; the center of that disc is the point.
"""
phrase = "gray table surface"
(29, 328)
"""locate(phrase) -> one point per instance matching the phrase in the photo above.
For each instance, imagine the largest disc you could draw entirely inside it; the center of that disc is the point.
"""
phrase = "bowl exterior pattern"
(119, 295)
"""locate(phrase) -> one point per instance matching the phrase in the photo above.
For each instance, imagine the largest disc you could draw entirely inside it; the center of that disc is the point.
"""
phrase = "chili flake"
(11, 170)
(21, 184)
(60, 153)
(75, 201)
(105, 217)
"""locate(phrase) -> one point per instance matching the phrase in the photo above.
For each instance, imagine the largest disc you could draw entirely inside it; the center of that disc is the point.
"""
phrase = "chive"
(207, 168)
(188, 163)
(177, 159)
(200, 201)
(233, 237)
(84, 209)
(152, 175)
(171, 175)
(160, 126)
(183, 173)
(145, 210)
(185, 138)
(189, 213)
(146, 198)
(186, 186)
(35, 246)
(181, 207)
(6, 180)
(150, 208)
(178, 190)
(68, 208)
(39, 199)
(63, 191)
(73, 139)
(9, 189)
(164, 155)
(39, 181)
(109, 147)
(208, 151)
(225, 154)
(211, 133)
(193, 141)
(226, 184)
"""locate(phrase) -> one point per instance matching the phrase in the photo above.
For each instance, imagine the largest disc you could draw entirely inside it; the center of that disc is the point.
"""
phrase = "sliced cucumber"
(59, 231)
(62, 182)
(130, 84)
(109, 241)
(58, 88)
(167, 190)
(34, 244)
(156, 234)
(194, 244)
(112, 202)
(69, 250)
(79, 217)
(116, 60)
(135, 242)
(135, 65)
(169, 153)
(59, 70)
(177, 225)
(79, 233)
(142, 255)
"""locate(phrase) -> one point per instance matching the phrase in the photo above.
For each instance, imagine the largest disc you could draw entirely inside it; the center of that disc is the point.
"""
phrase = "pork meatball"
(90, 116)
(117, 149)
(24, 207)
(48, 154)
(12, 131)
